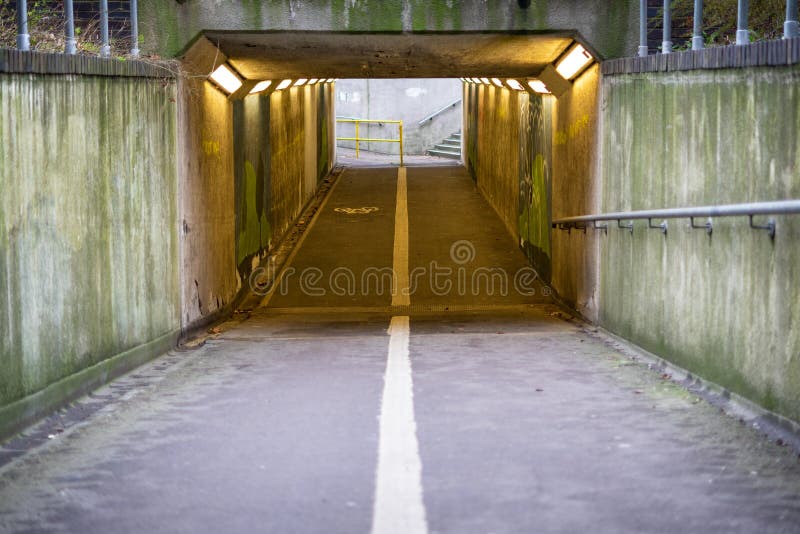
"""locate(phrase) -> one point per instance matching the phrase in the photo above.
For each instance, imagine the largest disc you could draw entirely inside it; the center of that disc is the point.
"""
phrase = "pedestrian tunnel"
(283, 109)
(144, 202)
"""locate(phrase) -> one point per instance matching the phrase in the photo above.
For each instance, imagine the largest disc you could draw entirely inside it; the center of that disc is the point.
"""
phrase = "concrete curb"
(22, 413)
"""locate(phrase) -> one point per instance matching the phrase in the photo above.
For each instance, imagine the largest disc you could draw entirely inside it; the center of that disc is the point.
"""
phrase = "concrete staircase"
(449, 148)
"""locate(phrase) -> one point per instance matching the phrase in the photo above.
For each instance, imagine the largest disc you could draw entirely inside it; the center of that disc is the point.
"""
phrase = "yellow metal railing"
(358, 139)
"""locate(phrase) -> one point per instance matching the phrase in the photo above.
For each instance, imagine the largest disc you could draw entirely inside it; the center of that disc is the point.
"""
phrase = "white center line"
(400, 293)
(398, 490)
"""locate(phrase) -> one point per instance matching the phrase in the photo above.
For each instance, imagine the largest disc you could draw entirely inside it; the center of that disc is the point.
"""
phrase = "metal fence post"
(666, 43)
(105, 50)
(357, 139)
(643, 28)
(401, 143)
(742, 34)
(23, 38)
(134, 28)
(697, 31)
(70, 45)
(791, 29)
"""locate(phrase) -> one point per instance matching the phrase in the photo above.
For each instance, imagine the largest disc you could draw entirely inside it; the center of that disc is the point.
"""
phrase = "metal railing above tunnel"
(791, 28)
(70, 44)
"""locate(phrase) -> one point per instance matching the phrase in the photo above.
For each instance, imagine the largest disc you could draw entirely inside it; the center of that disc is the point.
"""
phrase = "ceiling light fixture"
(538, 86)
(573, 62)
(283, 85)
(261, 86)
(514, 84)
(226, 79)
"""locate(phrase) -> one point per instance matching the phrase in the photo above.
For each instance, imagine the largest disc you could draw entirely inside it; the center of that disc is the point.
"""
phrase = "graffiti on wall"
(252, 187)
(471, 125)
(322, 132)
(535, 181)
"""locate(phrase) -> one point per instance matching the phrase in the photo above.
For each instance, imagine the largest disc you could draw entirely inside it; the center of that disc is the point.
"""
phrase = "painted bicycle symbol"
(357, 211)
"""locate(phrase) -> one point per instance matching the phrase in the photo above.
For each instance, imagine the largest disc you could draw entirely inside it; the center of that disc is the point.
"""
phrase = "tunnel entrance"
(304, 102)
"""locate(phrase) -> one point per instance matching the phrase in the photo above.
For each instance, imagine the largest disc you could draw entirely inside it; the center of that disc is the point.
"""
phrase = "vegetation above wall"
(765, 20)
(46, 24)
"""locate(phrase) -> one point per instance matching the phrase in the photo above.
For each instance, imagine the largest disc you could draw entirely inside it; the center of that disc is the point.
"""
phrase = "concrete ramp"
(427, 229)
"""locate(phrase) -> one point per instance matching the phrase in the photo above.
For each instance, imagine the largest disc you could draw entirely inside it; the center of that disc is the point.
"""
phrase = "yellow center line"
(400, 293)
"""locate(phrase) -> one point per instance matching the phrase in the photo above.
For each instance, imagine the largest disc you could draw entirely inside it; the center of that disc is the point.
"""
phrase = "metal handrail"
(778, 207)
(358, 138)
(436, 113)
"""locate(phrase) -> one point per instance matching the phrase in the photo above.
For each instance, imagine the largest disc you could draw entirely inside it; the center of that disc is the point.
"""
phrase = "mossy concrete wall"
(131, 211)
(247, 168)
(168, 27)
(209, 281)
(724, 306)
(282, 148)
(88, 216)
(497, 138)
(507, 149)
(534, 158)
(576, 191)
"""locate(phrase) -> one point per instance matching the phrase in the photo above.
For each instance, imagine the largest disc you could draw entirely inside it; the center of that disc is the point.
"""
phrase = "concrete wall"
(724, 306)
(282, 150)
(507, 145)
(409, 100)
(168, 27)
(576, 187)
(209, 280)
(89, 266)
(132, 210)
(247, 169)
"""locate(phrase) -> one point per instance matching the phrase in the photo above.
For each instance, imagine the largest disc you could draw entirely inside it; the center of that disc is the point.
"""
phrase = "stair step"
(445, 154)
(447, 148)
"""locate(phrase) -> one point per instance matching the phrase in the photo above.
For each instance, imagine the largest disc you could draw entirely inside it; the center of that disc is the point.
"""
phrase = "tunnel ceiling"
(273, 55)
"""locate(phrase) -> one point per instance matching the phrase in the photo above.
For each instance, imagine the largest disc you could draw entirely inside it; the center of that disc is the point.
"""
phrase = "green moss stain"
(252, 153)
(323, 158)
(612, 28)
(168, 27)
(386, 15)
(88, 223)
(253, 225)
(719, 305)
(534, 183)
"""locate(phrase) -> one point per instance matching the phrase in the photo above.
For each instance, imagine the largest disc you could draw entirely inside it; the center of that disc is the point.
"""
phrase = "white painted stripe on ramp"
(398, 490)
(400, 293)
